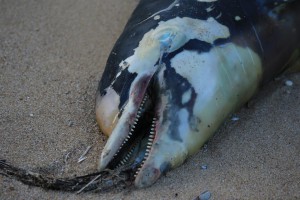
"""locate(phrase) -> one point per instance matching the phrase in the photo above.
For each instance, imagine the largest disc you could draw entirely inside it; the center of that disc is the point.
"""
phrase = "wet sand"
(52, 54)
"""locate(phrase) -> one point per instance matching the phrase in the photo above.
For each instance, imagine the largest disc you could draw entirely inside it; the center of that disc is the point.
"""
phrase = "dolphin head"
(161, 103)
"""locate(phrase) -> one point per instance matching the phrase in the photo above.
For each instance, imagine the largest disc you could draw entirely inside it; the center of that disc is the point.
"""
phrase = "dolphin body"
(179, 69)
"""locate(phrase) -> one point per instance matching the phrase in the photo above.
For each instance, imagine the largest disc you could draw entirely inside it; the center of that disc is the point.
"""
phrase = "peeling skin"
(175, 32)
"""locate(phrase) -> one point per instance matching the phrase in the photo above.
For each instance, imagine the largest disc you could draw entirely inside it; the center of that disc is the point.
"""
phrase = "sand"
(52, 54)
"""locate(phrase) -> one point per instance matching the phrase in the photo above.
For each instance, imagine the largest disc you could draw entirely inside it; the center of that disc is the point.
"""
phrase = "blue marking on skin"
(166, 41)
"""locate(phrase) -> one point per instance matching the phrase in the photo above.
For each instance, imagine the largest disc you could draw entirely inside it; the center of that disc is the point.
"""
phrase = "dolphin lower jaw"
(161, 159)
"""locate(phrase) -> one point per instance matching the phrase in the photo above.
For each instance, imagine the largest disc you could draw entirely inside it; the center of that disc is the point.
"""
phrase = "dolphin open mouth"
(136, 147)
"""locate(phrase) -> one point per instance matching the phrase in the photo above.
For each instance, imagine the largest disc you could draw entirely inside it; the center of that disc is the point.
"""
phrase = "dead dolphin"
(180, 68)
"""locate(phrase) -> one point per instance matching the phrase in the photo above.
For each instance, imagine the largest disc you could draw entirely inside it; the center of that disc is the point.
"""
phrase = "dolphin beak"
(133, 135)
(141, 142)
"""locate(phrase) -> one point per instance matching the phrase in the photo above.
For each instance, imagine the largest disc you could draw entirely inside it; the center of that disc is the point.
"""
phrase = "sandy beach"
(52, 55)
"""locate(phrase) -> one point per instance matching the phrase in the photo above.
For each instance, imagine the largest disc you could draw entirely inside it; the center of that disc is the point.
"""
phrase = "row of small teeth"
(126, 158)
(138, 115)
(150, 143)
(130, 133)
(134, 123)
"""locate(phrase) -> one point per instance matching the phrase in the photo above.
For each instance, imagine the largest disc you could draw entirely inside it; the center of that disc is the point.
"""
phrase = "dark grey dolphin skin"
(180, 68)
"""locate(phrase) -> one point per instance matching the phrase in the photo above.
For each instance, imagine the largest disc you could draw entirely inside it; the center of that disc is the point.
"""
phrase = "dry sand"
(52, 54)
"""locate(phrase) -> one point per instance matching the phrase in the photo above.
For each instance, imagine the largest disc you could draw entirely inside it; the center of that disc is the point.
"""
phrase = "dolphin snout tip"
(147, 176)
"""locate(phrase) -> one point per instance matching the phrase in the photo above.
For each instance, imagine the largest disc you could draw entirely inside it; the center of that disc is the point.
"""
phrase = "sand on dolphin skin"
(52, 54)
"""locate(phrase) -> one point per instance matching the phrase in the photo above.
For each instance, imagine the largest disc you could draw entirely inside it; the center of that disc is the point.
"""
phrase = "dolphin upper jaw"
(113, 144)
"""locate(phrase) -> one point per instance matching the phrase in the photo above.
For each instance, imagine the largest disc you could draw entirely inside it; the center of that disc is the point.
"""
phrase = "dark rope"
(97, 182)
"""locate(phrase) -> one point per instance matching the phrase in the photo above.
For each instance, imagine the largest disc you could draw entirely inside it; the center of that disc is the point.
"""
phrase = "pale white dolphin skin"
(179, 69)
